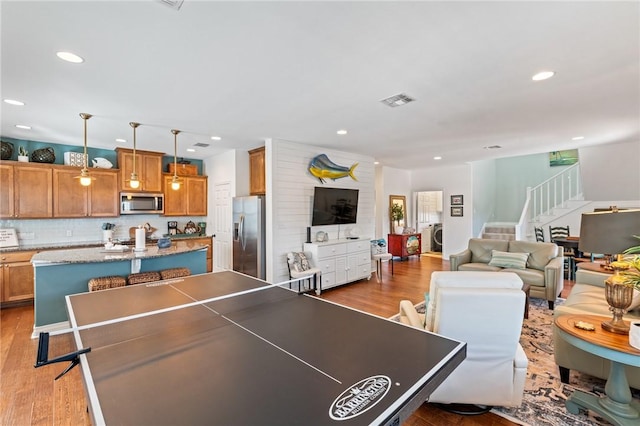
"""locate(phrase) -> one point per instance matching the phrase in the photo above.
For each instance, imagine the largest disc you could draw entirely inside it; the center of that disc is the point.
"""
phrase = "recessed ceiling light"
(376, 162)
(13, 102)
(437, 157)
(121, 140)
(22, 126)
(216, 138)
(341, 132)
(191, 150)
(70, 57)
(577, 138)
(543, 75)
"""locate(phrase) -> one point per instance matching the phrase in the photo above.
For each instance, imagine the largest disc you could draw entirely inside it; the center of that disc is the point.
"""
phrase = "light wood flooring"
(30, 396)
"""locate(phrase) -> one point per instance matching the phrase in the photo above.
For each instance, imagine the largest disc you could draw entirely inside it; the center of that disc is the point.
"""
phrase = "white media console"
(341, 261)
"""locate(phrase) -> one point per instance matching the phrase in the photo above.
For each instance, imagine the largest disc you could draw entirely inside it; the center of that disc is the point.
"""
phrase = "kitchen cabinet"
(7, 208)
(189, 200)
(32, 191)
(16, 277)
(204, 241)
(404, 245)
(148, 168)
(70, 199)
(341, 261)
(257, 179)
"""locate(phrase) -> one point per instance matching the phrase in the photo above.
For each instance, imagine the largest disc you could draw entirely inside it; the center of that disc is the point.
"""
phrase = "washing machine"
(436, 237)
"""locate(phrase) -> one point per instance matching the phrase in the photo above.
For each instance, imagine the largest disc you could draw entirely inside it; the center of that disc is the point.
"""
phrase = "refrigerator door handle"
(243, 242)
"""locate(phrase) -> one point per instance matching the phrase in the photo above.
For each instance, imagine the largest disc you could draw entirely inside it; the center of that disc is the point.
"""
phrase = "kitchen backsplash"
(45, 231)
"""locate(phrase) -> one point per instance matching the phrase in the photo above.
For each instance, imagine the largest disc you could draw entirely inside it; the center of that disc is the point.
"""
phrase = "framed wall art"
(457, 200)
(456, 211)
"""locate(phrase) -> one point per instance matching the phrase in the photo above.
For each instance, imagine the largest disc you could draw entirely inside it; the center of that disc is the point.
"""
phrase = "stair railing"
(553, 192)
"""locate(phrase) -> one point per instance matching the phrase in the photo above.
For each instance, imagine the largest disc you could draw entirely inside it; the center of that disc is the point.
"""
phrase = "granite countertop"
(99, 254)
(91, 244)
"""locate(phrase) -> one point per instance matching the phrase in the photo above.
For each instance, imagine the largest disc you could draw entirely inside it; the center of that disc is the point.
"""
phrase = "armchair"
(543, 269)
(484, 310)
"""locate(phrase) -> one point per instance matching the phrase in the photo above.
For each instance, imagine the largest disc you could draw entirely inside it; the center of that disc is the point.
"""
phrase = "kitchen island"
(62, 272)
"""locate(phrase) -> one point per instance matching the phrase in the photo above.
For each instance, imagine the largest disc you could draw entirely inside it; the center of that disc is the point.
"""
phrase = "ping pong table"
(261, 357)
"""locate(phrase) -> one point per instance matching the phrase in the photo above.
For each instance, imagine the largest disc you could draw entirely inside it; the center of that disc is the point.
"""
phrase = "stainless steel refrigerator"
(249, 236)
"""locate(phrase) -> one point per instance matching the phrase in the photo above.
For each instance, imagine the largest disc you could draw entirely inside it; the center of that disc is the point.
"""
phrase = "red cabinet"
(404, 245)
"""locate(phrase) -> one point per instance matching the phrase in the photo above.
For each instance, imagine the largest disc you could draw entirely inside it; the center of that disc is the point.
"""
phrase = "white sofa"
(587, 297)
(484, 310)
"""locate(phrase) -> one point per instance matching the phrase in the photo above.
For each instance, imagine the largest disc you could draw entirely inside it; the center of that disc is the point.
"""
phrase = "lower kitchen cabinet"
(16, 277)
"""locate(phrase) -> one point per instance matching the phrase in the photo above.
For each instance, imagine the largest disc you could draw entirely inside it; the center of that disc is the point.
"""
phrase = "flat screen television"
(334, 206)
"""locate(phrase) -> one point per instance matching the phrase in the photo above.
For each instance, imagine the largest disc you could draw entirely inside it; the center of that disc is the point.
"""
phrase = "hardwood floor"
(31, 396)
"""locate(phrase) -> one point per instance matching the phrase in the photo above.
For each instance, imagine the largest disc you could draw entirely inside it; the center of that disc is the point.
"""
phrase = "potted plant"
(397, 214)
(23, 155)
(619, 292)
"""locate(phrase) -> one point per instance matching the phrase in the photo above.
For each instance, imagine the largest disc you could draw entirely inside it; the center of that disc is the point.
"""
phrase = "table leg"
(617, 406)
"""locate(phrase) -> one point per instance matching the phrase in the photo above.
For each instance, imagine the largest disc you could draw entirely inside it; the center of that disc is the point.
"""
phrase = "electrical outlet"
(69, 233)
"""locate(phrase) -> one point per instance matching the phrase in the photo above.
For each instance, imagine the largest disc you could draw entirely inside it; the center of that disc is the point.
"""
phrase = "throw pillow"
(300, 262)
(635, 302)
(505, 259)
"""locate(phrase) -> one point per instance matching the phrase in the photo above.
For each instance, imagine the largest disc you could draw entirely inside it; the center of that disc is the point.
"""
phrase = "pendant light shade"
(85, 178)
(175, 181)
(134, 182)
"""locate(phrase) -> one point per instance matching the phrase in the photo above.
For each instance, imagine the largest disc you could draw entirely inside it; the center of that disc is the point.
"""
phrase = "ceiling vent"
(493, 147)
(397, 100)
(173, 4)
(201, 145)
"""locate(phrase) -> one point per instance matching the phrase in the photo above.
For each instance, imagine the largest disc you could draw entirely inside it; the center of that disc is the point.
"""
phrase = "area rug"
(544, 394)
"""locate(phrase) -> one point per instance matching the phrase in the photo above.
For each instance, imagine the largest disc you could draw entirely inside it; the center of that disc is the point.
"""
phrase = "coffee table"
(617, 406)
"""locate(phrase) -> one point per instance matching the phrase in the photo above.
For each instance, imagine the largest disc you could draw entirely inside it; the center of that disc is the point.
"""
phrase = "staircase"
(554, 198)
(499, 231)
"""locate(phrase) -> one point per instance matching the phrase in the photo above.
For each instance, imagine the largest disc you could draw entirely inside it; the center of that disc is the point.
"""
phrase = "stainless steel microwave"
(141, 203)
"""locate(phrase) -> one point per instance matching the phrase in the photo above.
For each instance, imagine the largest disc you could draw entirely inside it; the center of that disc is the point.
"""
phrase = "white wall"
(484, 194)
(455, 180)
(289, 196)
(395, 182)
(611, 171)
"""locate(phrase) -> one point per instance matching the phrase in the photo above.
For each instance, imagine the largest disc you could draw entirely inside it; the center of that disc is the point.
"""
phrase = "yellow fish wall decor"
(323, 168)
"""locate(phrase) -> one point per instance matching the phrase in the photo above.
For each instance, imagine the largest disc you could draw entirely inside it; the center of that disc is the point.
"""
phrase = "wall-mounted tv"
(334, 206)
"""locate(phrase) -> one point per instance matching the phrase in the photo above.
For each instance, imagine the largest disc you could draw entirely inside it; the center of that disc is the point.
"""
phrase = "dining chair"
(539, 234)
(556, 232)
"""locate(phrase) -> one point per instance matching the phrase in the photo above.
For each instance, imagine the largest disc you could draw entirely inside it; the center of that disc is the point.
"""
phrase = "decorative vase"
(7, 150)
(43, 155)
(399, 230)
(619, 297)
(23, 158)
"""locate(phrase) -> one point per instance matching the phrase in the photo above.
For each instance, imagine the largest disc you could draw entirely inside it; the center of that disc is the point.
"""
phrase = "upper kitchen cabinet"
(257, 181)
(26, 190)
(189, 200)
(70, 199)
(148, 168)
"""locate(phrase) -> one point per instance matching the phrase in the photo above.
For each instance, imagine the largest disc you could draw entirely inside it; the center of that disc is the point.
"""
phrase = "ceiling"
(300, 71)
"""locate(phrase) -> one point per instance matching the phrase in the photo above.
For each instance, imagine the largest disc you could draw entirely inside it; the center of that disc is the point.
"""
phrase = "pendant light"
(85, 179)
(175, 181)
(134, 182)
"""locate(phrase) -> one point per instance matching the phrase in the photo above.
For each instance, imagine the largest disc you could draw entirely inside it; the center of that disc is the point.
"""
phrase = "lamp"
(85, 178)
(134, 182)
(611, 233)
(175, 181)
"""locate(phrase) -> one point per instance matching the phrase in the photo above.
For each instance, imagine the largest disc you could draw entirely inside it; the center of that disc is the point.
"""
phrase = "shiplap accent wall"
(290, 189)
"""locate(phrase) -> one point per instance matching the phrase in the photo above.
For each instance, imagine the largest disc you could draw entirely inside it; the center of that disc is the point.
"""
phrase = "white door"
(222, 227)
